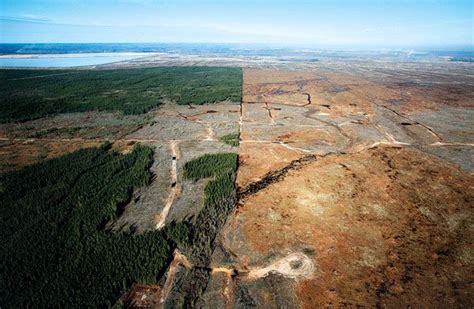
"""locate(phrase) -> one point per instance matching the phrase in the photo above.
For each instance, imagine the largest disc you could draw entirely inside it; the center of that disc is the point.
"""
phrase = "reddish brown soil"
(385, 222)
(22, 153)
(387, 227)
(342, 90)
(252, 168)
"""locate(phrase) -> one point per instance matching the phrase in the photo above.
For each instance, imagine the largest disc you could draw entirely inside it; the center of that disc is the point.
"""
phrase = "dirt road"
(161, 218)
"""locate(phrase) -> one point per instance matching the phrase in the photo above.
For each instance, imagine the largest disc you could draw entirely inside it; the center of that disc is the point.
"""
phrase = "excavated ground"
(369, 175)
(350, 113)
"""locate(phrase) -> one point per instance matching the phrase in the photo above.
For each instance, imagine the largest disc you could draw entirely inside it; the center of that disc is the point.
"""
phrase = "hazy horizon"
(342, 47)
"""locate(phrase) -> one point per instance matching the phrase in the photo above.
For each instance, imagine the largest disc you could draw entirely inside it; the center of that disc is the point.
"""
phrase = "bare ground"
(372, 181)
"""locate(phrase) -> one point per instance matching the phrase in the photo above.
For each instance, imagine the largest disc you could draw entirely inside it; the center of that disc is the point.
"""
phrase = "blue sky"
(325, 22)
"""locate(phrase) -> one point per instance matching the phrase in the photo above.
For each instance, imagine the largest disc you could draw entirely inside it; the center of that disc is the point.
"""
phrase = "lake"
(67, 60)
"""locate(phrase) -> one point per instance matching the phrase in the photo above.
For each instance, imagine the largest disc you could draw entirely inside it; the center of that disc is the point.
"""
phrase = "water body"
(73, 55)
(63, 61)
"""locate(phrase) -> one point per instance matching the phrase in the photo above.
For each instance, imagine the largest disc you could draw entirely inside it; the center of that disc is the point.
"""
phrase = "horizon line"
(276, 44)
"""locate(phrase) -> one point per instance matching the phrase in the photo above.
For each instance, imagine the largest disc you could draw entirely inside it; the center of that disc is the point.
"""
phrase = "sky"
(381, 23)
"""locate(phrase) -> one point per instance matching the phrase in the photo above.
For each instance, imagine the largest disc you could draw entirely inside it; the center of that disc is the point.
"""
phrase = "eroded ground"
(367, 175)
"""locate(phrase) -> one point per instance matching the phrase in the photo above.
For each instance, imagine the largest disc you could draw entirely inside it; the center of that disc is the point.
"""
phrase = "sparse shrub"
(231, 139)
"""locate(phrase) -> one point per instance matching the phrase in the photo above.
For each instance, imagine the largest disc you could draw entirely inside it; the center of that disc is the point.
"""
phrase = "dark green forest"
(56, 251)
(210, 165)
(31, 94)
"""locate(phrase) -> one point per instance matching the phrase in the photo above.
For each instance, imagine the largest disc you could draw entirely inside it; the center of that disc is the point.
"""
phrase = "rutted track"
(161, 218)
(178, 259)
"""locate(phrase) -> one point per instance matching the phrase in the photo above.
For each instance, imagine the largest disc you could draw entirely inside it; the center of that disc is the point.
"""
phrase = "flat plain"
(353, 185)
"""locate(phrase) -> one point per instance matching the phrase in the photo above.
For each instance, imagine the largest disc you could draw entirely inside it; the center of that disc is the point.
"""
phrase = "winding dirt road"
(161, 218)
(296, 266)
(178, 259)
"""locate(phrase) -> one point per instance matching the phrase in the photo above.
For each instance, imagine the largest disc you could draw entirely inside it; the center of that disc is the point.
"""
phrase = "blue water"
(70, 61)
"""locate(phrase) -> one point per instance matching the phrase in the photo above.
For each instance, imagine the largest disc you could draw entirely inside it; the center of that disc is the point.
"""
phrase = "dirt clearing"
(370, 180)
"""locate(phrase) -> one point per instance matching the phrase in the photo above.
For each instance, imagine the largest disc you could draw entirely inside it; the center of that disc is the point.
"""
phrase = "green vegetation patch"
(219, 202)
(55, 252)
(210, 165)
(31, 94)
(231, 139)
(222, 167)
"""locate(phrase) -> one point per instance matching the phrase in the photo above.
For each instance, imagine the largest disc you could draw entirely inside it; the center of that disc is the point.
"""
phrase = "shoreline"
(76, 55)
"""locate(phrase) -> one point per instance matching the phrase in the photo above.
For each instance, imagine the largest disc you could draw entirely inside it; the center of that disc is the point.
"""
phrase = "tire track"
(161, 218)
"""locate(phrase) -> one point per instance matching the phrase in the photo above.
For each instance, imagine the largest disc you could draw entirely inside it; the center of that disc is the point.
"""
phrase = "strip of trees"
(219, 202)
